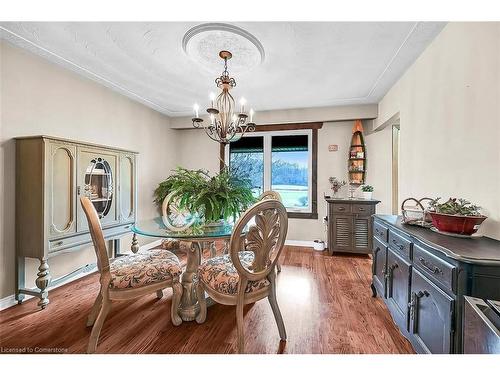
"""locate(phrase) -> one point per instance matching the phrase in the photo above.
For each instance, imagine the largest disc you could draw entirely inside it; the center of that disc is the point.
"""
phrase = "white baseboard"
(9, 301)
(299, 243)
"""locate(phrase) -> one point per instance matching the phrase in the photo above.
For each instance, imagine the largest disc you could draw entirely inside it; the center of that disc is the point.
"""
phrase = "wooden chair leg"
(96, 330)
(278, 266)
(239, 324)
(95, 310)
(159, 294)
(200, 295)
(176, 299)
(274, 306)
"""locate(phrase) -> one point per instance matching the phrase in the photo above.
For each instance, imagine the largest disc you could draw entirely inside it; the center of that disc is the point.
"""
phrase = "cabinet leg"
(374, 291)
(42, 282)
(135, 244)
(20, 278)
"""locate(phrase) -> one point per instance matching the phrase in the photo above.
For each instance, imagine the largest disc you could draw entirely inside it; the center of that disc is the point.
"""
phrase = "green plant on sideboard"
(367, 188)
(221, 196)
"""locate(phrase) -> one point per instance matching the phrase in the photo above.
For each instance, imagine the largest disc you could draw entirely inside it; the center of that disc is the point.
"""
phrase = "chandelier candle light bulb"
(251, 115)
(225, 125)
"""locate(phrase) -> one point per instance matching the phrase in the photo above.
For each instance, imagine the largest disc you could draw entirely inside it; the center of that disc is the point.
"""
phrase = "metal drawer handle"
(401, 247)
(341, 208)
(361, 208)
(58, 243)
(430, 266)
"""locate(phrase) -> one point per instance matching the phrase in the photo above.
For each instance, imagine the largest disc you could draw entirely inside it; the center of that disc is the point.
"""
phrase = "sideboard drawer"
(400, 244)
(341, 208)
(363, 209)
(436, 268)
(380, 231)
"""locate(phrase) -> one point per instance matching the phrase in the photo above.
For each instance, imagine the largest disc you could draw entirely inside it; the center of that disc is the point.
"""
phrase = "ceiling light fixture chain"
(225, 125)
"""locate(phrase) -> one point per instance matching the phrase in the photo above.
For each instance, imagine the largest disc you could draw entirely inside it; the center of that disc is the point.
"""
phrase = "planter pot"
(465, 225)
(319, 245)
(215, 226)
(367, 194)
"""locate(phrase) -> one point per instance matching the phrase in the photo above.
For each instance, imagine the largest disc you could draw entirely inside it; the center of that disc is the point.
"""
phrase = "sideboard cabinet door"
(398, 288)
(342, 232)
(61, 188)
(431, 312)
(362, 234)
(379, 266)
(127, 188)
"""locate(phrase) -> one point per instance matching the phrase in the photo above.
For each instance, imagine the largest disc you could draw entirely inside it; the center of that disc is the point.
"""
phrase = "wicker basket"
(416, 214)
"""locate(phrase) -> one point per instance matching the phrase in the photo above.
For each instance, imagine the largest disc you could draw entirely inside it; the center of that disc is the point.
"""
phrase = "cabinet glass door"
(99, 185)
(97, 180)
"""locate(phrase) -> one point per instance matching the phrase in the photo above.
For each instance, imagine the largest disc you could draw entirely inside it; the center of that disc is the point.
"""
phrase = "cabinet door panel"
(398, 288)
(342, 232)
(61, 189)
(127, 188)
(379, 266)
(362, 234)
(430, 316)
(97, 179)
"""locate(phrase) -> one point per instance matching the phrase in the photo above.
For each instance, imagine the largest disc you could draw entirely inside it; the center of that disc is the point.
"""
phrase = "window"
(281, 161)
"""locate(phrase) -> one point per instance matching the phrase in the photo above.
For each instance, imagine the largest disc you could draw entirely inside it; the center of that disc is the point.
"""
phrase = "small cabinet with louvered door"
(350, 225)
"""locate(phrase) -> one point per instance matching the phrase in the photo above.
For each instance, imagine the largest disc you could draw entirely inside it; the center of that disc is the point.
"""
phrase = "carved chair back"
(270, 194)
(96, 234)
(267, 222)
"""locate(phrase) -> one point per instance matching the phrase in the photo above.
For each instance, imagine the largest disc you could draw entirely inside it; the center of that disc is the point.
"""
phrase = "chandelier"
(225, 123)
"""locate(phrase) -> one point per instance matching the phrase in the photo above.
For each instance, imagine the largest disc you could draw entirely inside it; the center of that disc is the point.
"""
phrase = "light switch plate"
(332, 148)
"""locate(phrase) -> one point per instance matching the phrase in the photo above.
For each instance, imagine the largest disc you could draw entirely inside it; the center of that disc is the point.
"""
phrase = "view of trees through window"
(289, 166)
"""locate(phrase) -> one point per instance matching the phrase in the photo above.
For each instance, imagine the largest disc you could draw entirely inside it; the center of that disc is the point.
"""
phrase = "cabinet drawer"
(400, 244)
(436, 268)
(362, 209)
(380, 232)
(341, 208)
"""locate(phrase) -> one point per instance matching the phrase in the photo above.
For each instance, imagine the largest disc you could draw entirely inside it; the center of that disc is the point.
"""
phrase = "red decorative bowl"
(465, 225)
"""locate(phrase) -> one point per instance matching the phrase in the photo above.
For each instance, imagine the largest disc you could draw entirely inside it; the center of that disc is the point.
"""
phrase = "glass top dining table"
(193, 241)
(156, 228)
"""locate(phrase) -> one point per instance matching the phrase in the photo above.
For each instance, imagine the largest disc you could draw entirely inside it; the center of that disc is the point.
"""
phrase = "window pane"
(289, 170)
(246, 157)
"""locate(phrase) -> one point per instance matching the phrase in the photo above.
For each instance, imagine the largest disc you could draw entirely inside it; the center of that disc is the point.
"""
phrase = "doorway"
(395, 167)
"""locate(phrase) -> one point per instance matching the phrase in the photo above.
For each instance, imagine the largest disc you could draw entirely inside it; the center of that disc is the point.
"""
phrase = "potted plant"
(367, 191)
(213, 198)
(336, 185)
(457, 216)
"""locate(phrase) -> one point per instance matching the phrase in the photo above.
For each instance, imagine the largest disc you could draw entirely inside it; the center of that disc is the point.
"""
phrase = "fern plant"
(216, 197)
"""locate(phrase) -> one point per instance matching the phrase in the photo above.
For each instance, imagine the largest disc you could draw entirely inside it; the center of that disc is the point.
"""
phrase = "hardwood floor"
(325, 301)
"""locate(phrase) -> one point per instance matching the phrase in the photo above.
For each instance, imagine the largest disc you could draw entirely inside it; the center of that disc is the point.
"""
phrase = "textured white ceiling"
(306, 64)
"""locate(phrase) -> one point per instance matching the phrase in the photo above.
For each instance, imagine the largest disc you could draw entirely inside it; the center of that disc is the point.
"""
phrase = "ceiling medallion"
(200, 42)
(225, 125)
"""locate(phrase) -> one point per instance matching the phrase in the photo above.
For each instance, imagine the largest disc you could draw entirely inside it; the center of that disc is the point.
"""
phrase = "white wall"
(449, 105)
(38, 97)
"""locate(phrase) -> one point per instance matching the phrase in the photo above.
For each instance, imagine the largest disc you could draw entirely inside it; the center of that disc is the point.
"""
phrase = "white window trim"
(267, 161)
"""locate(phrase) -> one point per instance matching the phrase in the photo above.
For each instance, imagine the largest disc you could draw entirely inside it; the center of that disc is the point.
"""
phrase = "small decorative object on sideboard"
(336, 185)
(455, 217)
(367, 191)
(417, 214)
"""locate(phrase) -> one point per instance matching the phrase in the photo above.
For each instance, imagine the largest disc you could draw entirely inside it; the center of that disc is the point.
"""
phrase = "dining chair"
(271, 194)
(129, 276)
(243, 277)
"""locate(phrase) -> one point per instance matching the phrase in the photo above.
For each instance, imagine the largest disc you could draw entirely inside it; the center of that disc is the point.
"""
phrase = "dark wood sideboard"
(423, 276)
(350, 225)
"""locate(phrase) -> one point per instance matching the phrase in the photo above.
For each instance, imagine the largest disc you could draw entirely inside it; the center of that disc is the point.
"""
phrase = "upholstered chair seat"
(219, 274)
(144, 268)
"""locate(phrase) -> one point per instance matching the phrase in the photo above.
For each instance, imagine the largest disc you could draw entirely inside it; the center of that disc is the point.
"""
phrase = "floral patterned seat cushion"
(143, 268)
(219, 274)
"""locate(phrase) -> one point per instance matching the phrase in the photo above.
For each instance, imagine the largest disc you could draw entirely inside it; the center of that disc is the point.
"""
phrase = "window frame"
(267, 132)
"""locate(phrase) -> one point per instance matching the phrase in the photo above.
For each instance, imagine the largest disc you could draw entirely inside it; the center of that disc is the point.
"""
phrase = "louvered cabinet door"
(362, 234)
(342, 233)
